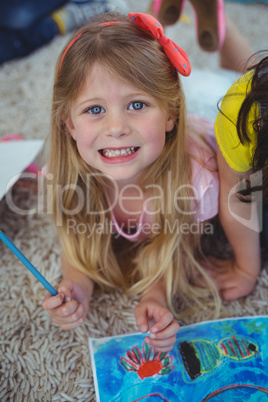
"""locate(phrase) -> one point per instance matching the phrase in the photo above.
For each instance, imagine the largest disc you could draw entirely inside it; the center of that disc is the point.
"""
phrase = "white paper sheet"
(15, 156)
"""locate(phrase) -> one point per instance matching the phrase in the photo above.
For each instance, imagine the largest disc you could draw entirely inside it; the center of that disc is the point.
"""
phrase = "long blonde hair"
(133, 56)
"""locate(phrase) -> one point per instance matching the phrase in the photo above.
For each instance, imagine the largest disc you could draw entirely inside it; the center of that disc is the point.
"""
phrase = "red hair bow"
(176, 54)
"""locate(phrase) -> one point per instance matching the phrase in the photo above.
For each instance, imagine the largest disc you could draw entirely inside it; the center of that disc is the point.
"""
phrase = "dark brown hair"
(259, 94)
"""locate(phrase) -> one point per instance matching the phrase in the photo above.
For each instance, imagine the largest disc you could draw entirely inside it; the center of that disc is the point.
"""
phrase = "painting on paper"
(212, 361)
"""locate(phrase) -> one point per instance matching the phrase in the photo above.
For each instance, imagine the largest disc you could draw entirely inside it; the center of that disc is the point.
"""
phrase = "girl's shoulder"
(242, 83)
(205, 180)
(233, 99)
(236, 94)
(201, 142)
(236, 154)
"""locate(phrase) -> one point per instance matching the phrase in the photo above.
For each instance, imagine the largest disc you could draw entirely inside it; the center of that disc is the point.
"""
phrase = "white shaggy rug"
(39, 361)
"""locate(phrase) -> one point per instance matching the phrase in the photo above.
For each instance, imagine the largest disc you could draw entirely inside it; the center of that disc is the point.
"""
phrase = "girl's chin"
(123, 177)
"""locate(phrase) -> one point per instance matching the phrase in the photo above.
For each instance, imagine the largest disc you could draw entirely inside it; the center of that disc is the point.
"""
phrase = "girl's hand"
(69, 308)
(234, 283)
(159, 320)
(231, 281)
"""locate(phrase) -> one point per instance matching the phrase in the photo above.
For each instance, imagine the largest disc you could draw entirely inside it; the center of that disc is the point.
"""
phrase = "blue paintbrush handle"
(27, 263)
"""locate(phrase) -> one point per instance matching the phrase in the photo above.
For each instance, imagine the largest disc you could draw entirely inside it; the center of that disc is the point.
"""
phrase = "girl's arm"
(152, 314)
(73, 274)
(69, 308)
(156, 293)
(244, 239)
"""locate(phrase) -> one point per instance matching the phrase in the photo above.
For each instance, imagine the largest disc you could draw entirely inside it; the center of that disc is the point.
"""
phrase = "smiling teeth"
(111, 153)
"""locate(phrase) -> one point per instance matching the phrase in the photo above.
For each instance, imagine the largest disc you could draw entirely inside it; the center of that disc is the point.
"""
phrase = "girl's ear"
(70, 127)
(170, 123)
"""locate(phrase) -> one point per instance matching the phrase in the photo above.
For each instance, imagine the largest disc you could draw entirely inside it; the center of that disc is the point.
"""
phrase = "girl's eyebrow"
(101, 99)
(89, 100)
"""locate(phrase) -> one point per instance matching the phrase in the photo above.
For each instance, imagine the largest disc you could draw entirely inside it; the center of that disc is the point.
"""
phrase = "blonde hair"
(133, 56)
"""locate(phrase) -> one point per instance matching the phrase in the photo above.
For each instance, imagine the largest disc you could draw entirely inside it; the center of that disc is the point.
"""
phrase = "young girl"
(241, 133)
(131, 189)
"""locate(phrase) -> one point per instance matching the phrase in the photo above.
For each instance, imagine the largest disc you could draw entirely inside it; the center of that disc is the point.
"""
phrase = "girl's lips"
(118, 155)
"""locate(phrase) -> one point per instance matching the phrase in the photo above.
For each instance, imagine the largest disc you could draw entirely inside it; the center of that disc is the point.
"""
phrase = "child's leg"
(166, 11)
(77, 13)
(210, 23)
(21, 14)
(236, 51)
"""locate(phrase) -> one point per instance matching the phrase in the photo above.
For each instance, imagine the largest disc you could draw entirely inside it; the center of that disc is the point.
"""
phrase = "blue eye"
(95, 110)
(137, 106)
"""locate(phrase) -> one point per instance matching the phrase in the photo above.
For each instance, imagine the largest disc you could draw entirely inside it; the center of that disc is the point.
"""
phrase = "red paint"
(144, 367)
(230, 344)
(136, 357)
(150, 395)
(224, 348)
(232, 387)
(244, 343)
(237, 344)
(149, 368)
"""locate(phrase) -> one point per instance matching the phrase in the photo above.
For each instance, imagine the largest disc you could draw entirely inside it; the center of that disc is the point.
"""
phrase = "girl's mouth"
(118, 155)
(118, 152)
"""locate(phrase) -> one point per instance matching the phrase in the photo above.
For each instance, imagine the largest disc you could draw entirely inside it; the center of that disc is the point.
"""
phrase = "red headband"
(176, 55)
(78, 36)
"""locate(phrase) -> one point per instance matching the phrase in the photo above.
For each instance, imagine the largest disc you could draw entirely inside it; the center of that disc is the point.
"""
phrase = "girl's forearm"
(157, 293)
(244, 241)
(235, 217)
(73, 274)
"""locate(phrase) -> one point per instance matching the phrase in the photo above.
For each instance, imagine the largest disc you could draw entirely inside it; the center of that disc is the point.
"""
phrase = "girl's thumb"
(66, 292)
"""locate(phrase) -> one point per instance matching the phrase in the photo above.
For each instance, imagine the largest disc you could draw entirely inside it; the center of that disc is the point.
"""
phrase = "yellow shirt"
(238, 156)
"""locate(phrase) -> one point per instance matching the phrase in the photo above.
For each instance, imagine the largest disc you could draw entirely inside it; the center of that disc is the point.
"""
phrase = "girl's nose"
(116, 125)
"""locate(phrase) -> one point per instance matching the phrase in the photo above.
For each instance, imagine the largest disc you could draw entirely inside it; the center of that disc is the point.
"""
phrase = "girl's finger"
(163, 323)
(72, 318)
(141, 319)
(67, 309)
(167, 332)
(162, 345)
(73, 325)
(164, 349)
(161, 342)
(51, 302)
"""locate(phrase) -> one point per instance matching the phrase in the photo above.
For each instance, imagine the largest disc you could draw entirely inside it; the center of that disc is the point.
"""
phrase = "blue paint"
(222, 381)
